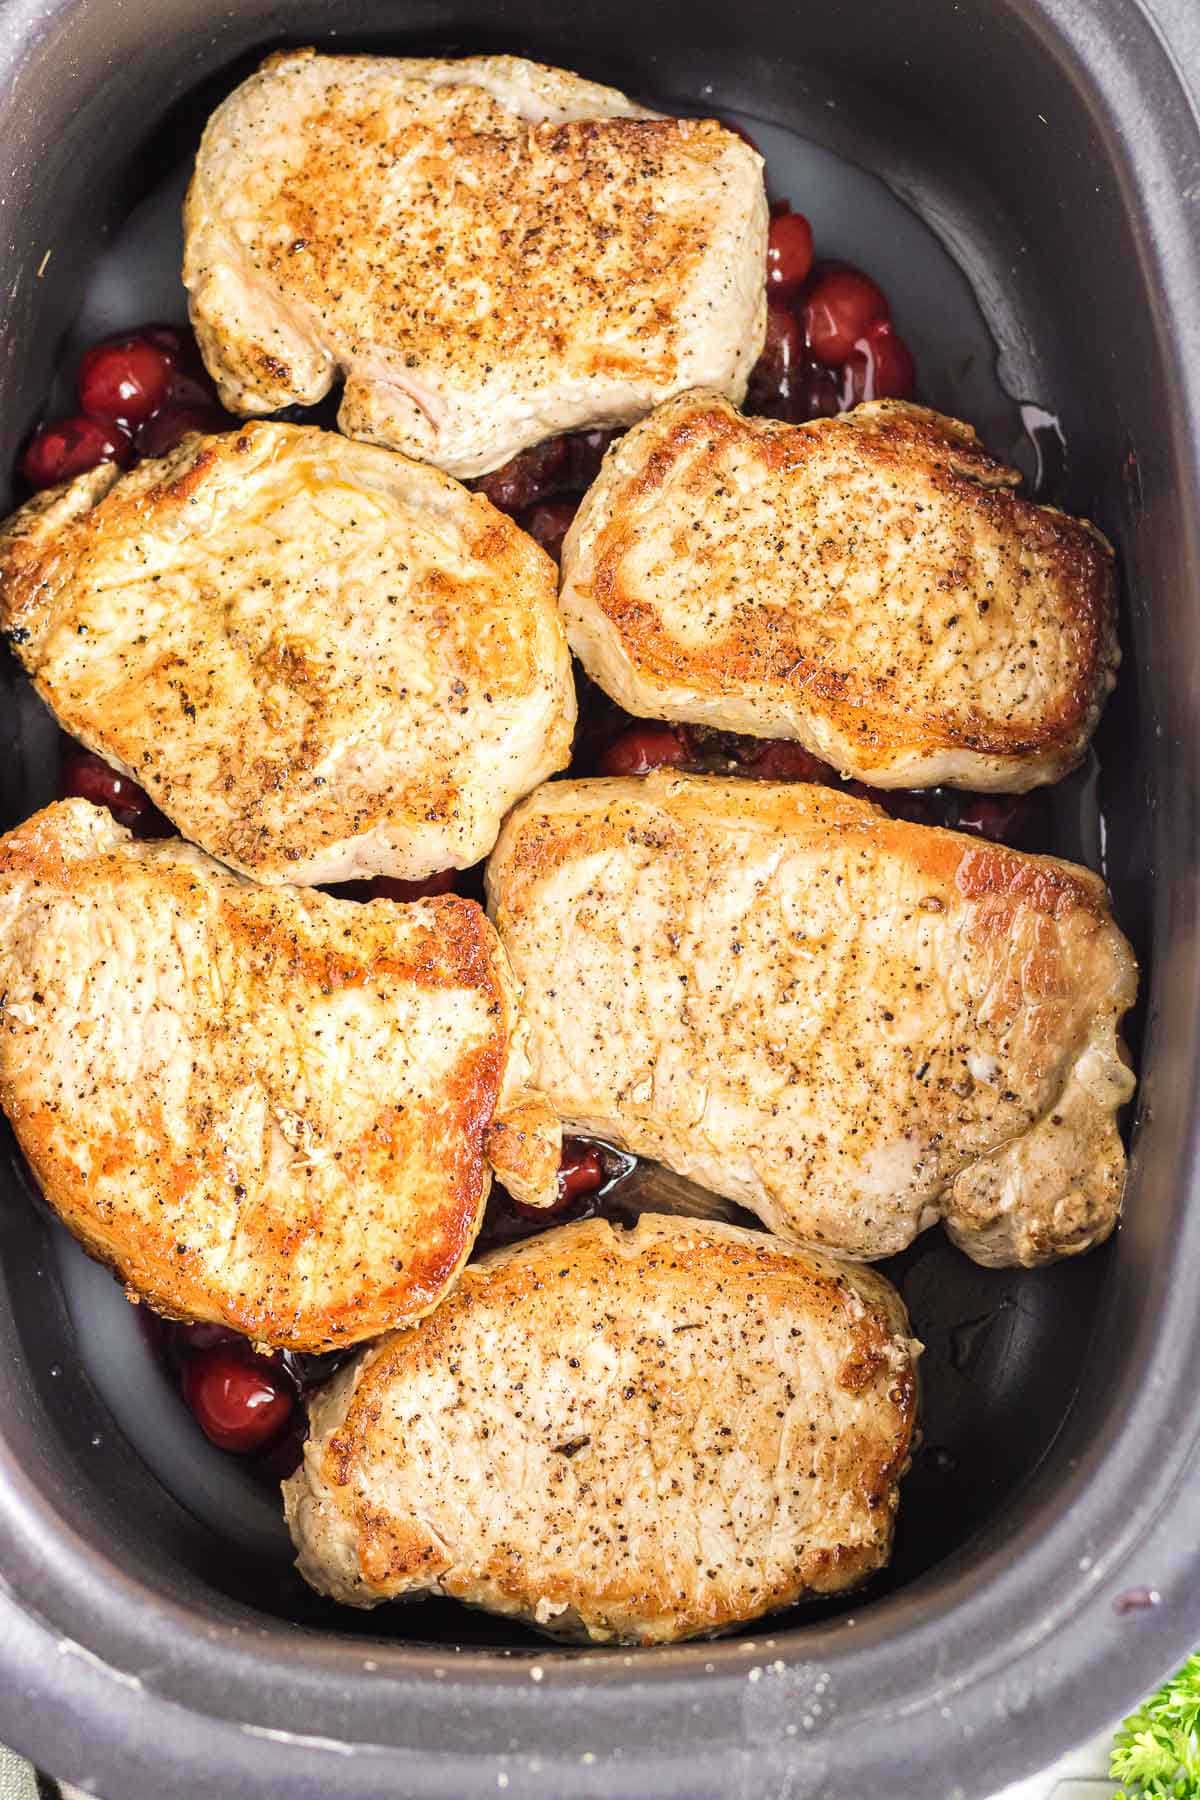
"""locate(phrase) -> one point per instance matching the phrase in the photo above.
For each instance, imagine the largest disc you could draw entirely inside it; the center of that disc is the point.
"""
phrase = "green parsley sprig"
(1156, 1755)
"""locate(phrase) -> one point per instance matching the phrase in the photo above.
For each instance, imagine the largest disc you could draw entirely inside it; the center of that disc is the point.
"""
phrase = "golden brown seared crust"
(848, 1023)
(869, 584)
(490, 250)
(640, 1436)
(264, 1108)
(323, 661)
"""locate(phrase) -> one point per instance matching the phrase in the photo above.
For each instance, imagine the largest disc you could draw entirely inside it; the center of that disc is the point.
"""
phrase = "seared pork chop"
(640, 1436)
(850, 1024)
(263, 1107)
(490, 251)
(868, 584)
(321, 660)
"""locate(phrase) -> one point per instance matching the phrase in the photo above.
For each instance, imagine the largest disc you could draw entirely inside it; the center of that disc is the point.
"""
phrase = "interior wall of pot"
(968, 116)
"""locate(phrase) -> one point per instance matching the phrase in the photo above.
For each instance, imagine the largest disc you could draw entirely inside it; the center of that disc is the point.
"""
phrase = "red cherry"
(580, 1173)
(548, 524)
(581, 1170)
(391, 887)
(177, 343)
(190, 383)
(838, 307)
(125, 380)
(779, 759)
(284, 1454)
(1003, 818)
(645, 747)
(879, 367)
(191, 387)
(66, 447)
(774, 376)
(815, 393)
(531, 475)
(919, 806)
(585, 453)
(164, 429)
(789, 254)
(240, 1401)
(83, 776)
